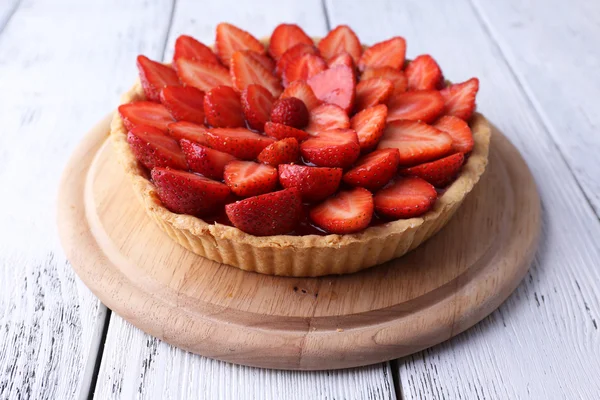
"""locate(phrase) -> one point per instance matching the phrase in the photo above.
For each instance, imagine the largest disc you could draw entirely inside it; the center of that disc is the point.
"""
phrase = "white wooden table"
(63, 65)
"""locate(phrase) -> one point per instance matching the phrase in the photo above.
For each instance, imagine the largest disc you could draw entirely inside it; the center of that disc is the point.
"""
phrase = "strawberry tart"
(299, 157)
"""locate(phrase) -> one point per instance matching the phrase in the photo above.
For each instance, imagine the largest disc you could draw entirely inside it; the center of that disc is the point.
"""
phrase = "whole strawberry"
(290, 111)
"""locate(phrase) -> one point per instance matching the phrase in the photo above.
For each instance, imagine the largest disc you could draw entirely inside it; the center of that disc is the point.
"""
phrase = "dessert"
(299, 157)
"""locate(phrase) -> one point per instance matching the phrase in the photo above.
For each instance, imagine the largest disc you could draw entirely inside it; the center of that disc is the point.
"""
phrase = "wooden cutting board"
(433, 293)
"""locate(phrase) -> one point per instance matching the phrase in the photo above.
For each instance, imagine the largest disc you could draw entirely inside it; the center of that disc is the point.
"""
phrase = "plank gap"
(169, 27)
(9, 16)
(99, 355)
(395, 367)
(326, 14)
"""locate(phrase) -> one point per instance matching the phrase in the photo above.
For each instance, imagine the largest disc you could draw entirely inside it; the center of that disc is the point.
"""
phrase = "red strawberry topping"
(290, 111)
(423, 105)
(341, 59)
(302, 91)
(424, 73)
(242, 143)
(153, 148)
(204, 160)
(248, 178)
(374, 170)
(188, 47)
(262, 59)
(247, 71)
(459, 131)
(231, 39)
(284, 151)
(459, 99)
(335, 86)
(371, 92)
(185, 103)
(286, 36)
(145, 113)
(439, 172)
(203, 75)
(302, 68)
(398, 78)
(389, 53)
(315, 183)
(339, 40)
(281, 131)
(325, 117)
(187, 130)
(223, 108)
(333, 148)
(369, 125)
(406, 198)
(257, 103)
(292, 53)
(347, 212)
(155, 76)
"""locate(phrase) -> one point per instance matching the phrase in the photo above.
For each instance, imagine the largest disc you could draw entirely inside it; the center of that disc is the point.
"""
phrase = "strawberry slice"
(290, 111)
(286, 36)
(292, 53)
(302, 68)
(257, 103)
(459, 131)
(231, 39)
(398, 78)
(341, 39)
(369, 125)
(240, 142)
(406, 198)
(282, 152)
(203, 75)
(333, 148)
(188, 47)
(325, 117)
(389, 53)
(155, 76)
(153, 148)
(423, 105)
(187, 130)
(335, 86)
(245, 71)
(187, 193)
(223, 108)
(248, 178)
(281, 131)
(274, 213)
(439, 172)
(262, 59)
(348, 212)
(371, 92)
(185, 103)
(459, 99)
(145, 113)
(204, 160)
(302, 91)
(416, 141)
(315, 183)
(374, 170)
(424, 73)
(341, 59)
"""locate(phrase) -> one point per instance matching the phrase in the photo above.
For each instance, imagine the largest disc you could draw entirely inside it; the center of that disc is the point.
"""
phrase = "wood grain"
(544, 342)
(62, 66)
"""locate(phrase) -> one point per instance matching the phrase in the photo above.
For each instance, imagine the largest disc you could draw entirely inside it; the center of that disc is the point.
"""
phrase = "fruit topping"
(286, 36)
(397, 77)
(290, 111)
(153, 148)
(302, 91)
(370, 92)
(335, 86)
(315, 183)
(339, 40)
(292, 53)
(187, 130)
(281, 131)
(239, 142)
(284, 151)
(459, 99)
(204, 160)
(424, 73)
(203, 75)
(145, 113)
(405, 198)
(341, 59)
(302, 68)
(325, 117)
(389, 53)
(257, 103)
(185, 103)
(188, 47)
(439, 172)
(248, 178)
(374, 170)
(223, 108)
(155, 76)
(245, 70)
(348, 211)
(423, 105)
(459, 131)
(231, 39)
(332, 148)
(369, 125)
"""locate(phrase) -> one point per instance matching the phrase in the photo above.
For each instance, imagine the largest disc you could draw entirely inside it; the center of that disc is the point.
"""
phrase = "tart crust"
(309, 255)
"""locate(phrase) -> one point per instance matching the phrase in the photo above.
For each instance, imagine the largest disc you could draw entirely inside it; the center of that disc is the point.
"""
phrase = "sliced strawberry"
(341, 59)
(240, 142)
(187, 130)
(439, 172)
(185, 103)
(416, 141)
(292, 53)
(315, 183)
(187, 193)
(153, 148)
(188, 47)
(325, 117)
(281, 131)
(333, 148)
(204, 160)
(397, 77)
(284, 151)
(155, 76)
(274, 213)
(335, 86)
(423, 105)
(203, 75)
(223, 108)
(369, 125)
(290, 111)
(459, 131)
(374, 170)
(286, 36)
(257, 103)
(347, 212)
(371, 92)
(459, 99)
(248, 178)
(406, 198)
(302, 91)
(245, 71)
(262, 59)
(389, 53)
(424, 73)
(231, 39)
(339, 40)
(145, 113)
(302, 68)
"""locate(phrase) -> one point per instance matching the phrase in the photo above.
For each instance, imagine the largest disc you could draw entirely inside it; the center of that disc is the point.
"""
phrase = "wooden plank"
(544, 342)
(136, 364)
(63, 65)
(552, 49)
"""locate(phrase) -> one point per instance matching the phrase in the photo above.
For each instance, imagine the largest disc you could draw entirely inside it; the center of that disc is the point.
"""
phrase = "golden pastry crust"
(309, 255)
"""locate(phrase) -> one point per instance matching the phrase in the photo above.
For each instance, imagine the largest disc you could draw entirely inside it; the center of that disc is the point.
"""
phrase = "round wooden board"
(433, 293)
